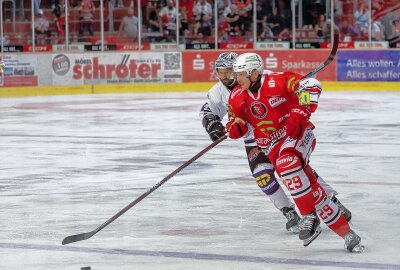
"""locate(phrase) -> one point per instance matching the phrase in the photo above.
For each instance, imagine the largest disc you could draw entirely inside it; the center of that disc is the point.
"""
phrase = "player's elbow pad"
(208, 119)
(205, 110)
(309, 90)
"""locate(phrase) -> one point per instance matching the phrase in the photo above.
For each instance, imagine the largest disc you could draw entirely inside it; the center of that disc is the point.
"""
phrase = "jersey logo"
(271, 82)
(258, 109)
(276, 101)
(291, 83)
(266, 127)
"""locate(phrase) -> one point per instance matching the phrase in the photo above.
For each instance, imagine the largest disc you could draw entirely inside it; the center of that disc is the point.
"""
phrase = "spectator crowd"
(196, 21)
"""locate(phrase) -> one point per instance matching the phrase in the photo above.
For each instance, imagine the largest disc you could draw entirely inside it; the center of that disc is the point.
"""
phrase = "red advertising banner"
(342, 45)
(236, 46)
(21, 81)
(199, 66)
(132, 46)
(38, 48)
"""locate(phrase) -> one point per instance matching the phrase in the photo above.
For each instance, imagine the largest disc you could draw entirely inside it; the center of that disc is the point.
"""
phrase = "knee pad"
(287, 163)
(290, 168)
(265, 178)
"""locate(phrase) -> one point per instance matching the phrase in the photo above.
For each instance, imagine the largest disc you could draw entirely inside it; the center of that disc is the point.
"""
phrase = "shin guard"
(327, 210)
(266, 180)
(304, 189)
(330, 214)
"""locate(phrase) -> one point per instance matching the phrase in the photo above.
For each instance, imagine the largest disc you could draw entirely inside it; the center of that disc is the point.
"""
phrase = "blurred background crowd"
(198, 21)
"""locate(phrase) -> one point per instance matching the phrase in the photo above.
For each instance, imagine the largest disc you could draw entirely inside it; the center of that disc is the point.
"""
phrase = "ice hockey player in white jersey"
(212, 113)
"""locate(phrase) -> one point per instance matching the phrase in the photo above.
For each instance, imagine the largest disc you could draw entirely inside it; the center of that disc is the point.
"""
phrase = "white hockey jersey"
(218, 97)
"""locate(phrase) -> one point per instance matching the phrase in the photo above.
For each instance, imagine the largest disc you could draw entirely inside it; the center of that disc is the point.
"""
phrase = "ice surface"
(69, 163)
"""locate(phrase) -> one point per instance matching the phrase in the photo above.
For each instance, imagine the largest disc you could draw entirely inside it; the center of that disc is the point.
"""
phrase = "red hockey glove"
(297, 121)
(236, 128)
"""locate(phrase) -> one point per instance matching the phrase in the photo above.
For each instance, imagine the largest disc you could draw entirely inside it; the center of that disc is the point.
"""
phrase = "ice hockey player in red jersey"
(212, 113)
(278, 106)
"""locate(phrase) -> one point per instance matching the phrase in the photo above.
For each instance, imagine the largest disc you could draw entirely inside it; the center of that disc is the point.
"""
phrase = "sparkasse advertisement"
(199, 65)
(88, 68)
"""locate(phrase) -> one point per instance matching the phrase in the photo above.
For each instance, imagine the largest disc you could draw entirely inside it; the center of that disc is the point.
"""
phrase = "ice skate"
(346, 212)
(309, 228)
(293, 219)
(352, 242)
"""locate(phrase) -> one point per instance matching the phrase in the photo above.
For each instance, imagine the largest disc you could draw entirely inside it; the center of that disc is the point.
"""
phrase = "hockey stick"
(84, 236)
(335, 46)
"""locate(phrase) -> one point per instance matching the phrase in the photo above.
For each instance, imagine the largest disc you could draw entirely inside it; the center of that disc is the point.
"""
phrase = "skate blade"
(308, 241)
(294, 229)
(360, 248)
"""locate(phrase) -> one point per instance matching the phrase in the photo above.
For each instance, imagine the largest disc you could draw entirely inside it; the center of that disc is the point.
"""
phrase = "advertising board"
(19, 70)
(91, 68)
(198, 66)
(369, 65)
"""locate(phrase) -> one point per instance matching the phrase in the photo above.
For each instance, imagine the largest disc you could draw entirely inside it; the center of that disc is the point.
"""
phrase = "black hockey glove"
(213, 127)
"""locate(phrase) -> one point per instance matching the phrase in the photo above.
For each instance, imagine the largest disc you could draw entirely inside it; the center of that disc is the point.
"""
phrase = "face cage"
(232, 77)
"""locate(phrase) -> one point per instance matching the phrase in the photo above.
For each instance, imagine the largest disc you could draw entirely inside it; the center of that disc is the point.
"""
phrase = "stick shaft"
(84, 236)
(156, 186)
(330, 57)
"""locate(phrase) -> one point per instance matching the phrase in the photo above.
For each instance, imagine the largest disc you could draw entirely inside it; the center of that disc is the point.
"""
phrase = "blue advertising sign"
(383, 66)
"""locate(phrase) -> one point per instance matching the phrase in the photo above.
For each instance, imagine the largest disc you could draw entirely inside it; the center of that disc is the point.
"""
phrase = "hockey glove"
(236, 128)
(213, 127)
(297, 121)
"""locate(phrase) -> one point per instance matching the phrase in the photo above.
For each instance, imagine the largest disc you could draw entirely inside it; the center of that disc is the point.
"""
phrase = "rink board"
(172, 87)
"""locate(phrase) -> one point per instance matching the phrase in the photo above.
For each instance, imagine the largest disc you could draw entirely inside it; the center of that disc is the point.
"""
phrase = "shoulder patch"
(236, 92)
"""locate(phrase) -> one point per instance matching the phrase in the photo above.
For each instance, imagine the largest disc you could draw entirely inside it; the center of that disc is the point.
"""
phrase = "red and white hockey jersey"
(268, 109)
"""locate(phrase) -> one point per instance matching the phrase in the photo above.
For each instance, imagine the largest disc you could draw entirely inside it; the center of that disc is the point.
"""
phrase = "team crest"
(258, 109)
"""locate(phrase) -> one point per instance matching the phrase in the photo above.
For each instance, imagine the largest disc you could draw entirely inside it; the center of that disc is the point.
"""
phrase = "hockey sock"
(330, 214)
(327, 210)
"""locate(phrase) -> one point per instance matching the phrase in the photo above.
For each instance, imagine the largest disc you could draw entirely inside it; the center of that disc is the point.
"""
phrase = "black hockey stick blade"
(84, 236)
(78, 237)
(335, 46)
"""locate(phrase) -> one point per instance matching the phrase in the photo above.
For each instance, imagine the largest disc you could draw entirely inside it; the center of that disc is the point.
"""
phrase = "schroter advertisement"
(74, 69)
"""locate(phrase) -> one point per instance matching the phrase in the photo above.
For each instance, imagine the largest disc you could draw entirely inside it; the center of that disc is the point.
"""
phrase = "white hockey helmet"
(248, 62)
(225, 60)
